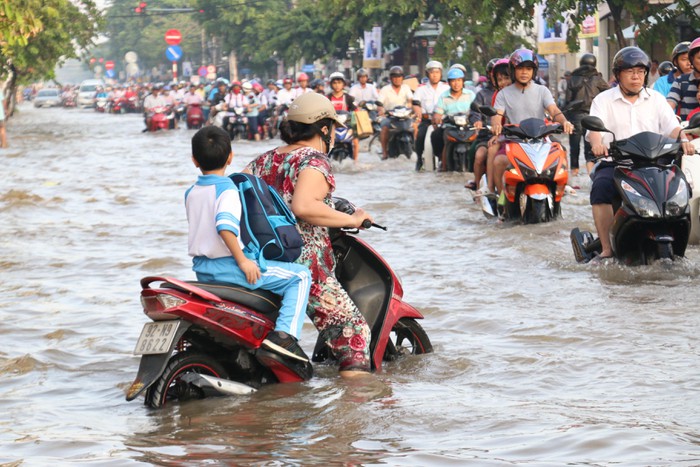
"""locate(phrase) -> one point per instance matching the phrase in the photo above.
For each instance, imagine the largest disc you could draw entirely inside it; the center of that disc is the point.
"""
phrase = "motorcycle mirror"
(592, 123)
(694, 121)
(487, 110)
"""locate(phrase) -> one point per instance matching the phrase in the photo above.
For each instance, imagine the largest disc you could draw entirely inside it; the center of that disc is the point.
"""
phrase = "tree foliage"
(145, 33)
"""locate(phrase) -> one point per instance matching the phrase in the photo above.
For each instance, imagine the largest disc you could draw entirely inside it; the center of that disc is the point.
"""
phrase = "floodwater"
(538, 361)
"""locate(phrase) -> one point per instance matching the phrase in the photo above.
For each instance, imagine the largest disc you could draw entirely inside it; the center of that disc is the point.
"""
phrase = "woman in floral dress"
(301, 172)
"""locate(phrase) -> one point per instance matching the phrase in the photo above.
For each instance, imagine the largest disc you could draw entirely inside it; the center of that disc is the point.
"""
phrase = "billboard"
(372, 56)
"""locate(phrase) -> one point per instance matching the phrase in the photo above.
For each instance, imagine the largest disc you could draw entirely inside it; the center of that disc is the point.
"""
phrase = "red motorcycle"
(195, 116)
(205, 339)
(160, 119)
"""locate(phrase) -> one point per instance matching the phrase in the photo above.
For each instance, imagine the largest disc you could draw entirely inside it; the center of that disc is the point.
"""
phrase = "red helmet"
(257, 87)
(287, 81)
(302, 76)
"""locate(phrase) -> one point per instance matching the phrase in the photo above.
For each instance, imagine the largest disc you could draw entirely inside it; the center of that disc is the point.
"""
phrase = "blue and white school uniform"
(213, 204)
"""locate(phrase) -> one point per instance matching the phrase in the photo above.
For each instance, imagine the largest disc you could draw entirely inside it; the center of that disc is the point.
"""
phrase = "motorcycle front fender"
(397, 309)
(537, 191)
(152, 366)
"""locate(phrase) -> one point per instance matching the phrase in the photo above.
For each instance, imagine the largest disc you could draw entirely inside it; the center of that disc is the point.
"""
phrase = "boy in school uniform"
(214, 210)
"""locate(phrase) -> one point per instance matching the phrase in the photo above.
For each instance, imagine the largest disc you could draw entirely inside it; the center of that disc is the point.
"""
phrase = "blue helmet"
(455, 73)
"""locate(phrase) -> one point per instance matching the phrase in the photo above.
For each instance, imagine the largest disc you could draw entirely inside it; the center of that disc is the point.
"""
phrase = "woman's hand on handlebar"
(358, 217)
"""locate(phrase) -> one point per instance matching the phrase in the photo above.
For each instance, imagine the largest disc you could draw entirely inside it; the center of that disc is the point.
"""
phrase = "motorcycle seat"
(259, 300)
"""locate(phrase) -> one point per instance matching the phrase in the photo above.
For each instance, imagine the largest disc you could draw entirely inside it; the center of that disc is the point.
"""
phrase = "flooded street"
(538, 361)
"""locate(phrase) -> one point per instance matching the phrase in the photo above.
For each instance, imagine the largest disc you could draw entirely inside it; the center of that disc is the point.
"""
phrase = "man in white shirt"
(285, 96)
(626, 110)
(392, 95)
(424, 100)
(363, 91)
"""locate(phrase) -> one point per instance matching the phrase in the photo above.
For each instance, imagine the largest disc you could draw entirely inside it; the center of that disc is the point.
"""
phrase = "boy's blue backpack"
(268, 227)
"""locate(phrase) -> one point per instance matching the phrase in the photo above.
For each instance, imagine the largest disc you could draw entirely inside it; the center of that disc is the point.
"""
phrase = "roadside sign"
(110, 73)
(202, 71)
(173, 37)
(109, 65)
(173, 53)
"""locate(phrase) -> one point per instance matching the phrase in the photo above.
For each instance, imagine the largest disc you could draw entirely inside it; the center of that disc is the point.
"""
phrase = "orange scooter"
(536, 178)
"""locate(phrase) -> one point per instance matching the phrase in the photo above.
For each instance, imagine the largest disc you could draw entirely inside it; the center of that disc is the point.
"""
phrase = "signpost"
(173, 37)
(173, 52)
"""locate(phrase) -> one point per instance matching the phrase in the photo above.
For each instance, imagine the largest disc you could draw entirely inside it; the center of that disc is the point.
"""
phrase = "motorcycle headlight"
(525, 170)
(677, 204)
(370, 106)
(644, 206)
(460, 120)
(402, 113)
(551, 170)
(342, 118)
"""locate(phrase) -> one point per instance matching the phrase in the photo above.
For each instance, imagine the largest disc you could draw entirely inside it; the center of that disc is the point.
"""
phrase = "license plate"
(156, 337)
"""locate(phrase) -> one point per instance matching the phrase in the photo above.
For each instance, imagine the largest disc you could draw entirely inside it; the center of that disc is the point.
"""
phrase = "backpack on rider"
(268, 227)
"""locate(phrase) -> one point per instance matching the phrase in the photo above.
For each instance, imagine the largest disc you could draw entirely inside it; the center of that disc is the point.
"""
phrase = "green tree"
(51, 32)
(145, 33)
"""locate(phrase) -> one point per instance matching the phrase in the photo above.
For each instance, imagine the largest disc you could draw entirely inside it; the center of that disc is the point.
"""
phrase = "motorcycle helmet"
(287, 81)
(630, 57)
(235, 83)
(693, 49)
(432, 65)
(455, 73)
(247, 87)
(336, 76)
(679, 49)
(279, 83)
(302, 77)
(362, 72)
(666, 67)
(312, 107)
(257, 87)
(588, 60)
(522, 57)
(501, 66)
(396, 71)
(489, 69)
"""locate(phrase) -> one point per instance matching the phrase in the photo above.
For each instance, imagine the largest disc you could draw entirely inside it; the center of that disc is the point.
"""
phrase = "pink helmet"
(302, 76)
(693, 48)
(501, 66)
(257, 87)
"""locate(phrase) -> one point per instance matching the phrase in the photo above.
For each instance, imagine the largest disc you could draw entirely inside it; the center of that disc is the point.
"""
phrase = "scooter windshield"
(537, 152)
(647, 146)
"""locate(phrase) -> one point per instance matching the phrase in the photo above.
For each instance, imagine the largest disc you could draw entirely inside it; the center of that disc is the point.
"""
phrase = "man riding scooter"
(456, 100)
(424, 100)
(392, 95)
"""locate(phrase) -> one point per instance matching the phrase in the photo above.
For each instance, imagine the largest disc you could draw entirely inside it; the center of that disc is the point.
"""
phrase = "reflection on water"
(538, 360)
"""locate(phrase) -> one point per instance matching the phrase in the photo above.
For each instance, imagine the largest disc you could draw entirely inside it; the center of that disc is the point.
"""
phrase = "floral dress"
(331, 309)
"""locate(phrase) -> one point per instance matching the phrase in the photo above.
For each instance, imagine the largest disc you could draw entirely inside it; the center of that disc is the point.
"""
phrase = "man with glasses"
(626, 110)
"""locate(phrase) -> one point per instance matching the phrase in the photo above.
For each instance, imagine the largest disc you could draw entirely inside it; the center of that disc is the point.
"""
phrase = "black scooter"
(652, 220)
(400, 132)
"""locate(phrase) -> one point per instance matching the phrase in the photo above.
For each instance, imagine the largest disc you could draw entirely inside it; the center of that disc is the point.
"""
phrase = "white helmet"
(432, 64)
(247, 86)
(336, 75)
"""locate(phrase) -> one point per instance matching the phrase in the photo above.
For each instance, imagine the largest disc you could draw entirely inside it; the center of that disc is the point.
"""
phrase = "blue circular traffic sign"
(173, 53)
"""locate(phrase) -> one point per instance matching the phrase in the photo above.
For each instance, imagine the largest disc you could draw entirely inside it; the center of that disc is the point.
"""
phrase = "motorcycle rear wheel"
(169, 387)
(407, 338)
(374, 146)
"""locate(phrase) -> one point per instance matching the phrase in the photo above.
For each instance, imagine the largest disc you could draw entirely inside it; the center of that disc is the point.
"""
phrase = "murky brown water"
(538, 361)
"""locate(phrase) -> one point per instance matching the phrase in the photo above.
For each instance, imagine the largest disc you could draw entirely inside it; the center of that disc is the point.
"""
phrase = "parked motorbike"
(205, 339)
(535, 180)
(195, 116)
(652, 220)
(458, 139)
(160, 119)
(342, 149)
